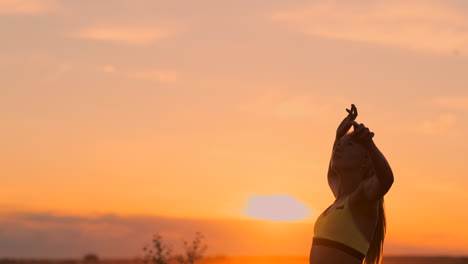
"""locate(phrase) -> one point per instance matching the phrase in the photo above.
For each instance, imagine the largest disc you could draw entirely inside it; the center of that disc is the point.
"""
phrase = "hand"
(362, 134)
(346, 123)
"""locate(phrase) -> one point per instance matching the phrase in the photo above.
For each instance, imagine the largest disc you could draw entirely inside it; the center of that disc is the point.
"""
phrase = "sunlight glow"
(278, 207)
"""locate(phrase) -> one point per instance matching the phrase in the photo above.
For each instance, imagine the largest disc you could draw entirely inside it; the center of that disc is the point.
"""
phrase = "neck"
(348, 182)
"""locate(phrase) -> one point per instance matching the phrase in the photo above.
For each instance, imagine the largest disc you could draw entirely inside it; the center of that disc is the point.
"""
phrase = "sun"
(277, 207)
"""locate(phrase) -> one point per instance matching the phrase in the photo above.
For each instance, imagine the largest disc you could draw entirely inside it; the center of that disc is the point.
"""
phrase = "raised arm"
(375, 187)
(383, 172)
(342, 129)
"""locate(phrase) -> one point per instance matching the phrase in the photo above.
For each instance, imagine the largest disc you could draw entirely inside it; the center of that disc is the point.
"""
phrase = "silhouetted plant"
(159, 253)
(194, 251)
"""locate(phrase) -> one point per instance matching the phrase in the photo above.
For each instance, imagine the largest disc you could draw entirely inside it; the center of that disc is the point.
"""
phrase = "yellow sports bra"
(337, 229)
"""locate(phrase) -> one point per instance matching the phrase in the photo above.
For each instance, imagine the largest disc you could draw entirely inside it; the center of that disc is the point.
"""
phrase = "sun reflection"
(277, 207)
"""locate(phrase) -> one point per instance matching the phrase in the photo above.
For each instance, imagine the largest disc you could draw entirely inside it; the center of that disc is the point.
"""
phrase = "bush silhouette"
(194, 251)
(161, 253)
(158, 253)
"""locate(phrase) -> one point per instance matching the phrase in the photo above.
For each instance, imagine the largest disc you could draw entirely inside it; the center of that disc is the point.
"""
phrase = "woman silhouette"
(352, 229)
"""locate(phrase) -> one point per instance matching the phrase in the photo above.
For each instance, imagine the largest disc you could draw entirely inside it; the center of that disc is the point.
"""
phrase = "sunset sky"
(122, 118)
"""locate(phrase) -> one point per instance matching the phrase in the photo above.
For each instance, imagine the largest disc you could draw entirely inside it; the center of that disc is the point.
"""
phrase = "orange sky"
(186, 109)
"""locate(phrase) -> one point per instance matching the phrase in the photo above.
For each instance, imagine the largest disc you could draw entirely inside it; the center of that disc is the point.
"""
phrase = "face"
(348, 154)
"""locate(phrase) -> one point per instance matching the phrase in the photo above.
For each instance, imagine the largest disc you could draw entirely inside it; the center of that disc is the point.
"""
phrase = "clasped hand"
(361, 133)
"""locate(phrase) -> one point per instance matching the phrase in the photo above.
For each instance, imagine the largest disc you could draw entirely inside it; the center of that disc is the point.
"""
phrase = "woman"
(352, 229)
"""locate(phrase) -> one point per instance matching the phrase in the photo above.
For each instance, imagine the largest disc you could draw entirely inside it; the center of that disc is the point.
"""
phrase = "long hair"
(375, 253)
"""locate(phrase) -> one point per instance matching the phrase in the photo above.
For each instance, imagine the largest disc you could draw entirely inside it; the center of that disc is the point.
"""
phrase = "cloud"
(138, 36)
(430, 26)
(162, 76)
(50, 235)
(276, 207)
(27, 7)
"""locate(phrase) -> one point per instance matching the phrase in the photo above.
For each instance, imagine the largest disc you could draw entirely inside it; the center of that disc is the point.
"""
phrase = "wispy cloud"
(431, 26)
(27, 7)
(160, 75)
(126, 35)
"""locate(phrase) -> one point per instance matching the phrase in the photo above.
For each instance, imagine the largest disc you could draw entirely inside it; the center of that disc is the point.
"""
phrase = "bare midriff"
(327, 255)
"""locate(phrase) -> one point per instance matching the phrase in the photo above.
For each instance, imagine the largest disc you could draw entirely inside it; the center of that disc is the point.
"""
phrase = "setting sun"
(279, 207)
